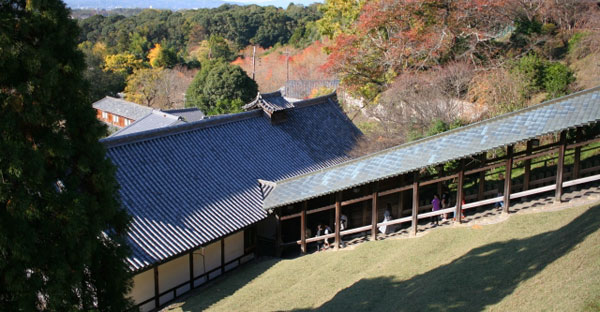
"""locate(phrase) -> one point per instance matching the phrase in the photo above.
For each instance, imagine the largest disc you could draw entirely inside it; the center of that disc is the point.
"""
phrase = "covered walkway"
(543, 149)
(575, 196)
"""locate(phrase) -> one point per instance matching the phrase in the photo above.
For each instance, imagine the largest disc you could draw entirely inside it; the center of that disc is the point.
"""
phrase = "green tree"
(62, 228)
(102, 82)
(557, 78)
(543, 75)
(219, 48)
(216, 82)
(532, 68)
(274, 28)
(226, 107)
(160, 57)
(139, 45)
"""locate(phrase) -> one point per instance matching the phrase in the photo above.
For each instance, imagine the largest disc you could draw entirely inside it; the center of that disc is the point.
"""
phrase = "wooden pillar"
(439, 184)
(338, 212)
(255, 245)
(560, 166)
(481, 189)
(278, 240)
(507, 178)
(365, 212)
(527, 168)
(401, 199)
(222, 255)
(156, 291)
(191, 270)
(459, 192)
(303, 228)
(415, 204)
(374, 212)
(577, 155)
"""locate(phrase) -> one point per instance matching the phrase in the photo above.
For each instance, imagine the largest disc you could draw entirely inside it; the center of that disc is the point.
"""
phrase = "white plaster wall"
(207, 259)
(171, 274)
(234, 246)
(198, 262)
(176, 271)
(212, 255)
(143, 289)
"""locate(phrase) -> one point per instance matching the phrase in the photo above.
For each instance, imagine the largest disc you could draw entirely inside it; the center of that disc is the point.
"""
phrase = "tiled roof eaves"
(268, 205)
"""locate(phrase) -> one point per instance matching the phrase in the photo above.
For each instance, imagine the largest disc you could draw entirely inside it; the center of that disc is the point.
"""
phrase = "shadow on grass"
(482, 277)
(202, 298)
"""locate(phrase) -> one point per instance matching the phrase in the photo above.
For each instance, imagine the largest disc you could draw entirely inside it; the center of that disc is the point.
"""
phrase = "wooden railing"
(553, 148)
(471, 205)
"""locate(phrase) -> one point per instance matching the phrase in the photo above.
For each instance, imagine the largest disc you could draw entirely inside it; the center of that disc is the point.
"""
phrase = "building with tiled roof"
(156, 119)
(193, 189)
(118, 112)
(187, 114)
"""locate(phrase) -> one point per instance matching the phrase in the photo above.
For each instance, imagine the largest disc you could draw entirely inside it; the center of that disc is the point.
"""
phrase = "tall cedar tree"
(62, 229)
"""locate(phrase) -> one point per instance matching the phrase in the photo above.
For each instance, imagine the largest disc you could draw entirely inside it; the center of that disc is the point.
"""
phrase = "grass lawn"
(531, 262)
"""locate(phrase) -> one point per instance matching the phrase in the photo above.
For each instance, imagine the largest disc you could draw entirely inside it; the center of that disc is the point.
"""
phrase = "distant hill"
(284, 3)
(172, 4)
(156, 4)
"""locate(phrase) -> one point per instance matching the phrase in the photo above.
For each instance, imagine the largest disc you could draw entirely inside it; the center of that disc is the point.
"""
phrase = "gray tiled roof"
(190, 184)
(302, 88)
(188, 114)
(270, 102)
(571, 111)
(121, 107)
(154, 120)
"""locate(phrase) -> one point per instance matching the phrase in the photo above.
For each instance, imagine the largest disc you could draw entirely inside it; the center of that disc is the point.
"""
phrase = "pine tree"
(62, 229)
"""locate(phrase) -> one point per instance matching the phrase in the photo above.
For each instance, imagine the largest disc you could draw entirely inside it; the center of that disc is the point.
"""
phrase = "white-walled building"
(193, 188)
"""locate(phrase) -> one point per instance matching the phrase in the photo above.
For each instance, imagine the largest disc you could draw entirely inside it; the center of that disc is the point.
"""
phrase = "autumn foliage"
(394, 36)
(390, 37)
(415, 64)
(271, 70)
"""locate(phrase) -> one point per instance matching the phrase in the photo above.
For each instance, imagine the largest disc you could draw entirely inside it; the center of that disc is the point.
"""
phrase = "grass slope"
(531, 262)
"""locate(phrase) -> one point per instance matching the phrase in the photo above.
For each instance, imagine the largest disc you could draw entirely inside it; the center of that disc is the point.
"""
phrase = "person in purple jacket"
(437, 205)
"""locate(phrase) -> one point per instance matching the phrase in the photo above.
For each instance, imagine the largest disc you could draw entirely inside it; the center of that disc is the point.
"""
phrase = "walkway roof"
(571, 111)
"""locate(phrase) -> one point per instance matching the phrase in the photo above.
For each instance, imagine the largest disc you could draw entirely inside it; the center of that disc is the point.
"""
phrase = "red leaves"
(393, 36)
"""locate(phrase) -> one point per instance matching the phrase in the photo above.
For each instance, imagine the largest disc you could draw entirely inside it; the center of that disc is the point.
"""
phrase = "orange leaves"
(271, 69)
(153, 54)
(238, 61)
(393, 36)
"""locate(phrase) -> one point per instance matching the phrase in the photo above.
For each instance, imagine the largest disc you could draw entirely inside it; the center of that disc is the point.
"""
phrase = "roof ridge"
(180, 110)
(176, 129)
(153, 112)
(165, 114)
(271, 94)
(200, 124)
(316, 100)
(445, 133)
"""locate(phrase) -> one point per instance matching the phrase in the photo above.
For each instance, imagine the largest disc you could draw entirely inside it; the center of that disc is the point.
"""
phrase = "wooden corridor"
(408, 188)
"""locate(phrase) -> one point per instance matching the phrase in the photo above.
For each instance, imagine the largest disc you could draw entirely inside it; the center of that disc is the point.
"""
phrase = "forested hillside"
(413, 68)
(151, 55)
(432, 65)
